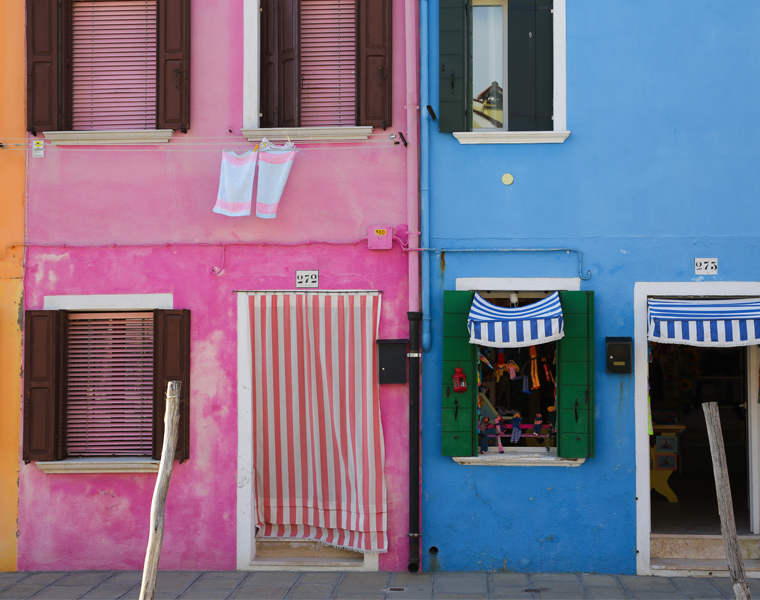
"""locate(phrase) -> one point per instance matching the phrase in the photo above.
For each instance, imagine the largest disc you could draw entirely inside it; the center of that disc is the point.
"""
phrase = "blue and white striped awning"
(705, 322)
(529, 325)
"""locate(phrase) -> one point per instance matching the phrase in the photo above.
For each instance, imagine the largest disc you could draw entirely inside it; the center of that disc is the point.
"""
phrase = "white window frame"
(126, 464)
(246, 524)
(560, 133)
(252, 91)
(519, 457)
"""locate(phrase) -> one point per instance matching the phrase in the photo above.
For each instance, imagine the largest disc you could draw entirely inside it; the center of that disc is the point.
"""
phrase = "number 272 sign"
(706, 266)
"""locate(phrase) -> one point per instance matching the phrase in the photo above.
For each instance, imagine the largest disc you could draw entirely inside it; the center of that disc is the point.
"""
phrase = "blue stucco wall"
(660, 168)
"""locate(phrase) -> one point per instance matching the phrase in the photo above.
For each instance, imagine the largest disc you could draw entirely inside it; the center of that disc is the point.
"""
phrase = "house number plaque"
(307, 279)
(706, 266)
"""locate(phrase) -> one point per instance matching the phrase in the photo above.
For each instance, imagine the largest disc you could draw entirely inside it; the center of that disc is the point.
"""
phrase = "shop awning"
(529, 325)
(705, 322)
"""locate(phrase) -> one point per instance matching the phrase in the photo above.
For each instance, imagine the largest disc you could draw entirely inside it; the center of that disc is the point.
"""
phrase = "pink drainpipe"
(412, 158)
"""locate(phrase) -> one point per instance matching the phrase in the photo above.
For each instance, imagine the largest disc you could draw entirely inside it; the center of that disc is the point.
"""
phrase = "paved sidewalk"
(278, 585)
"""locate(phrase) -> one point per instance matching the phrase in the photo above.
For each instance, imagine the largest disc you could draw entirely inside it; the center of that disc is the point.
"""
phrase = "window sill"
(519, 459)
(99, 465)
(116, 138)
(511, 137)
(308, 134)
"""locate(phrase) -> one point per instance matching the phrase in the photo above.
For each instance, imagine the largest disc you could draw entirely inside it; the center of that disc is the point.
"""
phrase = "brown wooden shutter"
(173, 65)
(42, 405)
(172, 363)
(289, 63)
(268, 64)
(43, 33)
(375, 24)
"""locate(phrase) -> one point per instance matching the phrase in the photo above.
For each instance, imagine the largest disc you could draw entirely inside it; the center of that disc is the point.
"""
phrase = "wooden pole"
(156, 538)
(725, 503)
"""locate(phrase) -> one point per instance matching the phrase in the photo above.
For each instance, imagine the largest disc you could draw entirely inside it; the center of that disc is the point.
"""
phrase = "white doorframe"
(641, 291)
(753, 440)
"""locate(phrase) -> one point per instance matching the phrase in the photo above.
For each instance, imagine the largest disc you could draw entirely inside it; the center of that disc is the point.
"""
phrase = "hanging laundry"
(275, 162)
(236, 183)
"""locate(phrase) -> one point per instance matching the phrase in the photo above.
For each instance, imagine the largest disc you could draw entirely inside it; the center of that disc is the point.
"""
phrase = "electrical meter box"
(392, 361)
(619, 354)
(380, 238)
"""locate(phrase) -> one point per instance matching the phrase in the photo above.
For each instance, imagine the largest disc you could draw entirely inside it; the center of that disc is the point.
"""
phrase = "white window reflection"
(488, 66)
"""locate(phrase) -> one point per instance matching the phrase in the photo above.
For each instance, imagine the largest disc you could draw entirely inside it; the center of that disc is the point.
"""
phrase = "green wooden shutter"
(455, 69)
(530, 85)
(575, 377)
(459, 415)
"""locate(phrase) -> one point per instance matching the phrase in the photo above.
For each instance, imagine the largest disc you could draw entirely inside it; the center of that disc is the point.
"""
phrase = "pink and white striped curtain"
(318, 440)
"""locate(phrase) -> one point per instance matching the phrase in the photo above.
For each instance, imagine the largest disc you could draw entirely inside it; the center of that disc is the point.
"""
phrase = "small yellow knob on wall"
(507, 179)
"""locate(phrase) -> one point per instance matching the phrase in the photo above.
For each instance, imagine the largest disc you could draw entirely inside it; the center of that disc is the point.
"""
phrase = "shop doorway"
(682, 493)
(713, 356)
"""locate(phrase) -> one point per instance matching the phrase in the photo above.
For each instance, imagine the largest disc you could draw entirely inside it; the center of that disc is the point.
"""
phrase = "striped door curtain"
(318, 440)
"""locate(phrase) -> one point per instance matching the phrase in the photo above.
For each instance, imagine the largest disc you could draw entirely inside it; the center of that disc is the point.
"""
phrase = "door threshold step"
(696, 564)
(308, 561)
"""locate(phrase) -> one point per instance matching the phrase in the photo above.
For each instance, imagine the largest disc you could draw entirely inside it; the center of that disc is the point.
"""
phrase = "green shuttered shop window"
(575, 377)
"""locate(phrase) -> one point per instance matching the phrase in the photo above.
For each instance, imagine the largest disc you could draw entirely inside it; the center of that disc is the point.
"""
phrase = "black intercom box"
(392, 360)
(619, 354)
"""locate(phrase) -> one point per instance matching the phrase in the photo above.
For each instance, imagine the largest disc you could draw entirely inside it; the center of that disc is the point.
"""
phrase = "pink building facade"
(119, 226)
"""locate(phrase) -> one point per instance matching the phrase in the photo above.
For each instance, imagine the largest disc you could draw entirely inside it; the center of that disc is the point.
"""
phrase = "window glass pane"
(488, 66)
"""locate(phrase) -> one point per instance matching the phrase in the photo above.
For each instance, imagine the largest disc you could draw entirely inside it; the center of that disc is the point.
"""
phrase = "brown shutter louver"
(375, 24)
(172, 363)
(43, 35)
(42, 407)
(109, 384)
(173, 65)
(113, 84)
(328, 63)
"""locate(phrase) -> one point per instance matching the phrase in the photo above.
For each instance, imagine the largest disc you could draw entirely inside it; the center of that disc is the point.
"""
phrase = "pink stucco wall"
(157, 195)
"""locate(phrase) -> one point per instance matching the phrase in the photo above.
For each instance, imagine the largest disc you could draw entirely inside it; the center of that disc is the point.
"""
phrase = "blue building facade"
(646, 163)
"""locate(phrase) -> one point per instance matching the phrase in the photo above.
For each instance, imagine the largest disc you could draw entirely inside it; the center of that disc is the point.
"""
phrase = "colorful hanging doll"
(516, 431)
(526, 384)
(501, 429)
(537, 422)
(535, 383)
(547, 371)
(513, 369)
(484, 424)
(501, 366)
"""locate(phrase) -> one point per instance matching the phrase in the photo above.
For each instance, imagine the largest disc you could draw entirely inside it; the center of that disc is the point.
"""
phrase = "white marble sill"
(116, 464)
(115, 138)
(308, 134)
(516, 458)
(511, 137)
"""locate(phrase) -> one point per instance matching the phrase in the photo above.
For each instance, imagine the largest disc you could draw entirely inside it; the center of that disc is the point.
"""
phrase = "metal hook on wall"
(218, 270)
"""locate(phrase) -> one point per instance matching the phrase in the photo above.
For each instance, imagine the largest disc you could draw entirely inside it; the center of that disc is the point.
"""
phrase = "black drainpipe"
(414, 356)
